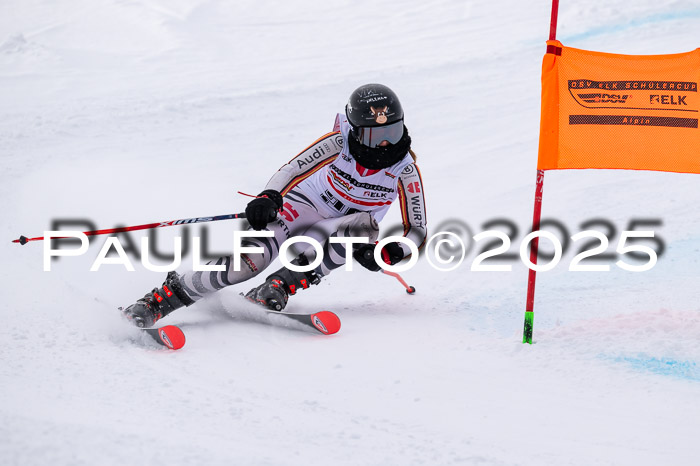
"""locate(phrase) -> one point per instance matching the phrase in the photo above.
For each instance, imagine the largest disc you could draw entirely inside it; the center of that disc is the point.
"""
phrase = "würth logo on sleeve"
(414, 187)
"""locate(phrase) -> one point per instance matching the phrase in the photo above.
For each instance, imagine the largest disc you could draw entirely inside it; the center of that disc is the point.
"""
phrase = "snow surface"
(130, 112)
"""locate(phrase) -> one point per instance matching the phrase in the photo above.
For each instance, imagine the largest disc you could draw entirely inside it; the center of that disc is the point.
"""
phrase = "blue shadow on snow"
(687, 370)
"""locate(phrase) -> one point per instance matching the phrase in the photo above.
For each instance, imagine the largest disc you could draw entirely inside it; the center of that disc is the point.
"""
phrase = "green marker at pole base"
(527, 331)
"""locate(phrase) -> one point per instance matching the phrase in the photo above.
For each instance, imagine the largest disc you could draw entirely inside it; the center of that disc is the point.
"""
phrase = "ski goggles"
(373, 136)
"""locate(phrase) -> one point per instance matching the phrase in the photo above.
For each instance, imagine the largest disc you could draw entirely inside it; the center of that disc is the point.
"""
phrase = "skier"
(340, 186)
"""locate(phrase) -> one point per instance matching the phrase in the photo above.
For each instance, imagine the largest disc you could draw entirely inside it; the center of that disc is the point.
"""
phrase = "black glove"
(263, 209)
(391, 254)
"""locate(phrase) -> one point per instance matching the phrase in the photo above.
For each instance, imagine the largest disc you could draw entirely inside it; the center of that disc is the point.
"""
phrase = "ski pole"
(409, 289)
(185, 221)
(368, 254)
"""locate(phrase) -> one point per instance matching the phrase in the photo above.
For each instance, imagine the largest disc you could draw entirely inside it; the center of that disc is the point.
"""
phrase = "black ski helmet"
(375, 115)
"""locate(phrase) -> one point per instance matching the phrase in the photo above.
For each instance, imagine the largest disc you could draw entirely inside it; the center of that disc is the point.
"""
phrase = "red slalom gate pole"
(534, 248)
(185, 221)
(553, 20)
(536, 216)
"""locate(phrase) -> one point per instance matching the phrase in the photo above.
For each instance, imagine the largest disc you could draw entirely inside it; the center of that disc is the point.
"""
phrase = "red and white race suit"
(326, 193)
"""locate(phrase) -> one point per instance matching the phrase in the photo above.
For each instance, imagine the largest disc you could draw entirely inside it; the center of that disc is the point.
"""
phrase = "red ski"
(325, 322)
(169, 336)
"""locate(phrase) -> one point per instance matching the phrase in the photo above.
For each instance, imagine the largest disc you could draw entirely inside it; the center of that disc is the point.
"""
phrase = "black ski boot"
(275, 292)
(158, 303)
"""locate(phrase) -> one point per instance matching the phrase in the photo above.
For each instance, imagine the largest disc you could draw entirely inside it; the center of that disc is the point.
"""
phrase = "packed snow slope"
(131, 112)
